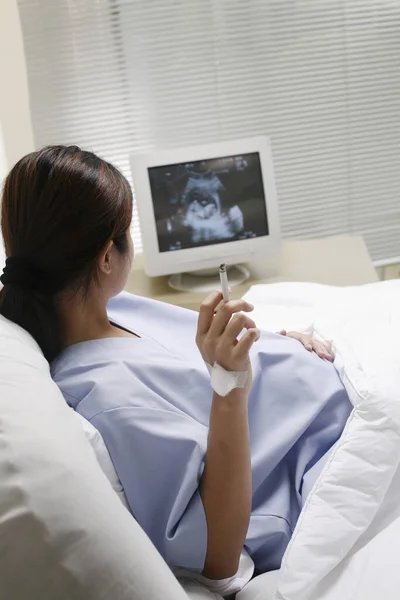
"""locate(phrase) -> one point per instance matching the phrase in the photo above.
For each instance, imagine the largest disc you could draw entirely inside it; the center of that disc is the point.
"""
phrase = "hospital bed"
(64, 532)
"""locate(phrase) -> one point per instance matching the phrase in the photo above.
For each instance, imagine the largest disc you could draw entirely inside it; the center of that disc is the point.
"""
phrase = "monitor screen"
(209, 201)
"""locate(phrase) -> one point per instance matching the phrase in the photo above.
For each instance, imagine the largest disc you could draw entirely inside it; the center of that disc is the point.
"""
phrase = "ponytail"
(36, 312)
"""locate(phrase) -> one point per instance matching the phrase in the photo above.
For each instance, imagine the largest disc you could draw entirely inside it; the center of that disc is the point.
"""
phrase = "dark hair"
(60, 207)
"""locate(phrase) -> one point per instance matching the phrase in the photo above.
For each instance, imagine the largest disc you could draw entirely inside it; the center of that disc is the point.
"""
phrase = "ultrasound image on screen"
(208, 202)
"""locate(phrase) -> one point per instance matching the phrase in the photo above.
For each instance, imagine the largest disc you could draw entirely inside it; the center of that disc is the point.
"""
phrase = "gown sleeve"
(159, 456)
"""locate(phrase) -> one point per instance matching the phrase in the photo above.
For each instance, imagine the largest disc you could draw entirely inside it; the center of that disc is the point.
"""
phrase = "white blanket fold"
(346, 543)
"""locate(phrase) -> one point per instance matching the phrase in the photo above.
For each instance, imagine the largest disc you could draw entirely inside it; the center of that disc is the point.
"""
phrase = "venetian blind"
(321, 77)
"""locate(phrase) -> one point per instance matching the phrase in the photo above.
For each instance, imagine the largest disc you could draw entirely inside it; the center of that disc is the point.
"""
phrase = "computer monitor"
(206, 205)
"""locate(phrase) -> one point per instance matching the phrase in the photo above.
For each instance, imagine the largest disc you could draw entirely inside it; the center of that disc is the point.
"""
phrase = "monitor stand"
(207, 280)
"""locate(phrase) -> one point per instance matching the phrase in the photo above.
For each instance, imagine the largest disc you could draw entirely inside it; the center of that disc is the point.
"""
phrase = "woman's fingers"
(320, 349)
(206, 313)
(306, 341)
(300, 337)
(245, 343)
(238, 322)
(217, 332)
(310, 344)
(224, 314)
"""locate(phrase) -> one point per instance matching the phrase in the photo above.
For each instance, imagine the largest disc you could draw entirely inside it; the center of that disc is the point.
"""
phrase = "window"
(322, 78)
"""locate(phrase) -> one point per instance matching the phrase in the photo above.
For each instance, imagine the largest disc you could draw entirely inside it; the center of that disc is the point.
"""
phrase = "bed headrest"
(63, 531)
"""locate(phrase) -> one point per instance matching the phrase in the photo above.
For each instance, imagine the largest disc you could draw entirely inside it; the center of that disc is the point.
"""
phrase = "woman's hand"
(309, 344)
(218, 331)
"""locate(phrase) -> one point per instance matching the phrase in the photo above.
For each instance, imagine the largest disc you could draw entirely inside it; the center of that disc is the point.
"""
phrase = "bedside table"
(336, 260)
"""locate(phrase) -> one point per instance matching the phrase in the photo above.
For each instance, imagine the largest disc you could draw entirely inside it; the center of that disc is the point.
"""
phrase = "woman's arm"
(225, 486)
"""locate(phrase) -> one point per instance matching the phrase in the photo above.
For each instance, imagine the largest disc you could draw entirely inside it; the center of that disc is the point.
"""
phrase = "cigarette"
(224, 282)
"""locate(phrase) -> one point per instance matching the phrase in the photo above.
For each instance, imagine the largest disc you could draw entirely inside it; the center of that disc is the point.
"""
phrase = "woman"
(205, 475)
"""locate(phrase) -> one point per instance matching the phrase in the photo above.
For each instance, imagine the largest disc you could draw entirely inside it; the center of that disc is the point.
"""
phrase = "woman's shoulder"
(116, 373)
(97, 368)
(87, 355)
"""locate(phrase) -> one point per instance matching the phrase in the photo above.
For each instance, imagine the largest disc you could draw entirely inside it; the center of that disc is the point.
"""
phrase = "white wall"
(3, 158)
(16, 137)
(3, 169)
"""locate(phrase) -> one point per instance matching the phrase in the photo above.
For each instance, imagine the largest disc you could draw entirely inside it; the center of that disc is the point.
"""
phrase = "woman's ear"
(105, 259)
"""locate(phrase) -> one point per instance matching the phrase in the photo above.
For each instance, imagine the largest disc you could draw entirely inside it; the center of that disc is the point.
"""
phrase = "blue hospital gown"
(150, 398)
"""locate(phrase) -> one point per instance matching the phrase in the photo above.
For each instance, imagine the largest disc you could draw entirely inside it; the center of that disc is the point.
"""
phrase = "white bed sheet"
(345, 544)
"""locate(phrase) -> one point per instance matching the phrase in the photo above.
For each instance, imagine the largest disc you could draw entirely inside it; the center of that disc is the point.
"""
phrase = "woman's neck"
(86, 319)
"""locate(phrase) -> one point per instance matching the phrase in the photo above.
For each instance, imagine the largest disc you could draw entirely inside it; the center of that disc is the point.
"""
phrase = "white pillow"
(63, 532)
(95, 439)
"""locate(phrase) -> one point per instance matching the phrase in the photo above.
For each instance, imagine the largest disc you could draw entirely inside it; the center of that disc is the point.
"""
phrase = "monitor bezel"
(204, 257)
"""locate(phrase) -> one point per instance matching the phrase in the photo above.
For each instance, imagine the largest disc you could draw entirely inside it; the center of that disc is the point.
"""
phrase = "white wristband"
(223, 381)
